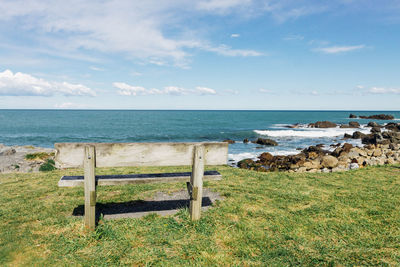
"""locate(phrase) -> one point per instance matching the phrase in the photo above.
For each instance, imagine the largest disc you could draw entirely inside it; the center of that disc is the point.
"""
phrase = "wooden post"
(89, 162)
(196, 182)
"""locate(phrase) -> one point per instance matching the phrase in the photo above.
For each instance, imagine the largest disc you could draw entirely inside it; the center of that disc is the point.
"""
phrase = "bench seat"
(72, 181)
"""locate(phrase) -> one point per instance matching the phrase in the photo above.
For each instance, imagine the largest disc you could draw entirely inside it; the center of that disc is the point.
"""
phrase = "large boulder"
(265, 142)
(393, 127)
(352, 116)
(329, 162)
(358, 135)
(323, 124)
(266, 157)
(373, 124)
(375, 130)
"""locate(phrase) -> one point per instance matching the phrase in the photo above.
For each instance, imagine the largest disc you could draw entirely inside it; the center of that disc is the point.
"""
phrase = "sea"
(45, 127)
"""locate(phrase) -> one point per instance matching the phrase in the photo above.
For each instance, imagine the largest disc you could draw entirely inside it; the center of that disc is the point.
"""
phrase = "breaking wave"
(311, 132)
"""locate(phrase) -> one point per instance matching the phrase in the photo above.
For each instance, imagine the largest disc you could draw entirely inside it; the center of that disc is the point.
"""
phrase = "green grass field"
(281, 219)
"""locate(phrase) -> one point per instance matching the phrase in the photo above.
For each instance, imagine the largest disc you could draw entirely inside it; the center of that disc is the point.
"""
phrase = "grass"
(274, 219)
(38, 155)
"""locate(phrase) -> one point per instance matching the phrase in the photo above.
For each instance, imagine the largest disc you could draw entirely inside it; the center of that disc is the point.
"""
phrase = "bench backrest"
(70, 155)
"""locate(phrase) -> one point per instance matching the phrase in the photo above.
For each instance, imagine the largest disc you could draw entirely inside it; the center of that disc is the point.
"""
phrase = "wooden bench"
(92, 155)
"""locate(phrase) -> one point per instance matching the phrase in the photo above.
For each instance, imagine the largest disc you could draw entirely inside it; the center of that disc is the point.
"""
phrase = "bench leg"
(90, 187)
(196, 181)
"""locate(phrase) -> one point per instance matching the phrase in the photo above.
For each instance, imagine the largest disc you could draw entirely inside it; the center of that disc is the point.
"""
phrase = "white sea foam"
(311, 132)
(245, 155)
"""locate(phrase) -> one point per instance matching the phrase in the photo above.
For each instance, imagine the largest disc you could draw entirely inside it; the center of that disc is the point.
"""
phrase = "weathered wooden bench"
(92, 155)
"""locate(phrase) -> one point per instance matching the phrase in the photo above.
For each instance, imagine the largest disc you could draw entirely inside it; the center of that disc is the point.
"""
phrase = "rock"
(345, 126)
(329, 162)
(229, 141)
(354, 124)
(352, 116)
(378, 117)
(372, 139)
(265, 142)
(8, 152)
(353, 166)
(326, 170)
(245, 140)
(266, 157)
(375, 130)
(346, 147)
(296, 125)
(358, 135)
(312, 164)
(246, 164)
(347, 136)
(373, 124)
(377, 153)
(323, 124)
(392, 127)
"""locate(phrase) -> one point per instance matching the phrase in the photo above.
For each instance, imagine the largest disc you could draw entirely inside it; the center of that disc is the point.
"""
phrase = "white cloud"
(69, 105)
(205, 91)
(265, 91)
(221, 6)
(339, 49)
(382, 90)
(20, 84)
(235, 35)
(228, 51)
(294, 37)
(96, 68)
(129, 90)
(135, 29)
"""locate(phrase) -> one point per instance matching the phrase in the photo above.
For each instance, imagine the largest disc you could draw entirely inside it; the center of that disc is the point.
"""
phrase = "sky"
(205, 54)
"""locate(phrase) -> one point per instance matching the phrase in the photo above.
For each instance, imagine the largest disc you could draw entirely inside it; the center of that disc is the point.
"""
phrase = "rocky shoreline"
(24, 158)
(381, 146)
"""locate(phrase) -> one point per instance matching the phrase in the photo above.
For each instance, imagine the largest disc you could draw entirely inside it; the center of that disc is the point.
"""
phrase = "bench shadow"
(138, 206)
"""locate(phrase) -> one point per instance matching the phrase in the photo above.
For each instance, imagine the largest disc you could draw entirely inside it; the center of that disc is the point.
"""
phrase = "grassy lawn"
(350, 218)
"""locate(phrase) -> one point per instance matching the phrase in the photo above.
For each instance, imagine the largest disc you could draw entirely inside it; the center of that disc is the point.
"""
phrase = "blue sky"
(206, 54)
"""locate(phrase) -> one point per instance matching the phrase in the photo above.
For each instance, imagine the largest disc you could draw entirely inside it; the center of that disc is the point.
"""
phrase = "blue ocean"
(46, 127)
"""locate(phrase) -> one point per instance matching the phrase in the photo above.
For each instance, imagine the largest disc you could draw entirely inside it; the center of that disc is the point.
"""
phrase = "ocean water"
(46, 127)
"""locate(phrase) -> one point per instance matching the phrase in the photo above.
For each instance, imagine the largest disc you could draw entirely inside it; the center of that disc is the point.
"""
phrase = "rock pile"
(379, 148)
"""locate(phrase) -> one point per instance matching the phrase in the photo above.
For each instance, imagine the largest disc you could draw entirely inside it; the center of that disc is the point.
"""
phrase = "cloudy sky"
(205, 54)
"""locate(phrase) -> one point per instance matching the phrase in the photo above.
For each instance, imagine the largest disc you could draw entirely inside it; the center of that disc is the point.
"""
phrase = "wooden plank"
(196, 181)
(70, 155)
(73, 181)
(90, 187)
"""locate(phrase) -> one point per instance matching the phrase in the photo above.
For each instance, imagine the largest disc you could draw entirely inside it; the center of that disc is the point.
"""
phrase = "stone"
(347, 136)
(265, 142)
(8, 152)
(375, 130)
(312, 164)
(377, 153)
(378, 117)
(329, 162)
(346, 147)
(352, 116)
(373, 124)
(354, 124)
(229, 141)
(266, 157)
(358, 135)
(245, 140)
(325, 170)
(323, 124)
(246, 163)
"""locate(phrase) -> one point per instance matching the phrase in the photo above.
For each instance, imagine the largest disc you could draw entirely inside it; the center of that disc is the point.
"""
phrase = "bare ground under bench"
(161, 203)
